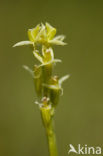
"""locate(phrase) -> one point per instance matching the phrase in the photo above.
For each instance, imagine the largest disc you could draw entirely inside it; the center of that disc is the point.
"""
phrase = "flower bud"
(46, 111)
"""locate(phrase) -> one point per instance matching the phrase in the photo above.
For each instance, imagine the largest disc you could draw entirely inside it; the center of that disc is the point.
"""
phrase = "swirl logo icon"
(85, 149)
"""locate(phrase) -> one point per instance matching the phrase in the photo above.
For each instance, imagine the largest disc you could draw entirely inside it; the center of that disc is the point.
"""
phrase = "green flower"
(47, 56)
(51, 38)
(57, 83)
(42, 34)
(55, 88)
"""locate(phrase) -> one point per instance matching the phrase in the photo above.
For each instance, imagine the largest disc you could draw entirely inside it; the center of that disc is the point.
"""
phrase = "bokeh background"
(79, 115)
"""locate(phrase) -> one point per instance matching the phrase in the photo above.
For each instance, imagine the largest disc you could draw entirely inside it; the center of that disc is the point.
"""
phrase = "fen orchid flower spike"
(48, 87)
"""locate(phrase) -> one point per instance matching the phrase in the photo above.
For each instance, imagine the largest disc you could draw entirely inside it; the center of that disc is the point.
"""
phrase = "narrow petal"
(62, 79)
(32, 33)
(51, 31)
(57, 60)
(38, 56)
(23, 43)
(29, 70)
(35, 31)
(53, 61)
(30, 36)
(41, 36)
(60, 37)
(57, 42)
(50, 86)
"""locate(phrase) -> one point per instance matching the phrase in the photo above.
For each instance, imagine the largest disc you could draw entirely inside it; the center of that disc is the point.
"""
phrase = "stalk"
(47, 114)
(48, 87)
(51, 140)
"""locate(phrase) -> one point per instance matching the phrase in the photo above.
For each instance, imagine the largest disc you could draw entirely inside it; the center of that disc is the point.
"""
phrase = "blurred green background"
(79, 115)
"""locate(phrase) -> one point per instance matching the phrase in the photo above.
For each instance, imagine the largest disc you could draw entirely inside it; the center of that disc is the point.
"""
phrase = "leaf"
(23, 43)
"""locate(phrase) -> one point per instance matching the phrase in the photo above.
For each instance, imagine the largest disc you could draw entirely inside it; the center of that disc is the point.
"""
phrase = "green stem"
(47, 114)
(51, 140)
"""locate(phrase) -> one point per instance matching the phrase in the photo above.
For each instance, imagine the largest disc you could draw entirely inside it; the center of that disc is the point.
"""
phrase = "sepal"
(29, 70)
(23, 43)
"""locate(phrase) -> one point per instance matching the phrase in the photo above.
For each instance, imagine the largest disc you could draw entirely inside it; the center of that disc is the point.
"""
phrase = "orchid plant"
(48, 87)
